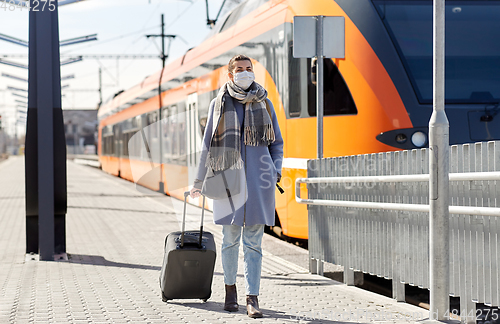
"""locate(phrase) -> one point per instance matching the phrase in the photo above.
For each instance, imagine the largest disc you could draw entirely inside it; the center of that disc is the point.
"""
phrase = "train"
(377, 98)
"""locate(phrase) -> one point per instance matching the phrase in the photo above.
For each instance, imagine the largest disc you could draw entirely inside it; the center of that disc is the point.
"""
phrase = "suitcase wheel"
(204, 300)
(163, 298)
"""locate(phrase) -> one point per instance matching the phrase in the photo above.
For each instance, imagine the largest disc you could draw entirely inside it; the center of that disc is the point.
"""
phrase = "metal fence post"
(439, 181)
(312, 167)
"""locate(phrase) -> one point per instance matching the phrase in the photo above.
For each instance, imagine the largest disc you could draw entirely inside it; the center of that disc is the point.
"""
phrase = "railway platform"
(115, 235)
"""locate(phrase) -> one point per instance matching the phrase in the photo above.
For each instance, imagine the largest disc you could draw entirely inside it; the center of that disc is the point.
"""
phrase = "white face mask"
(244, 79)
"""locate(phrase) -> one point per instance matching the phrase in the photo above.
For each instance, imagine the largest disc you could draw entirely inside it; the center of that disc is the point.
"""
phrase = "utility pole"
(100, 88)
(15, 131)
(163, 59)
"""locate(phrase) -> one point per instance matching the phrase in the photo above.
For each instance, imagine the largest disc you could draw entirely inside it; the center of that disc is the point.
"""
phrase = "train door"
(193, 136)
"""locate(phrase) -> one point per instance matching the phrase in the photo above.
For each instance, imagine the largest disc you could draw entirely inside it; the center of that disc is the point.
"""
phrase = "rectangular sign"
(305, 37)
(334, 37)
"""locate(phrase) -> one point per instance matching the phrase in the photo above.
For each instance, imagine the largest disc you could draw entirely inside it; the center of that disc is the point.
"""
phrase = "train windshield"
(472, 49)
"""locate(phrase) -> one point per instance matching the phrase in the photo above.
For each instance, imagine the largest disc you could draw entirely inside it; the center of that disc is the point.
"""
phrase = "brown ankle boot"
(231, 302)
(253, 310)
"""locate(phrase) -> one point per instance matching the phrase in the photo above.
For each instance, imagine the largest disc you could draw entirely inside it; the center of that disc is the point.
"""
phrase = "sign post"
(309, 42)
(320, 98)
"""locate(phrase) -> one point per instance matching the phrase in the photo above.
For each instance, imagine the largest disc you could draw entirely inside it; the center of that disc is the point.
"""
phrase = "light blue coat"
(255, 203)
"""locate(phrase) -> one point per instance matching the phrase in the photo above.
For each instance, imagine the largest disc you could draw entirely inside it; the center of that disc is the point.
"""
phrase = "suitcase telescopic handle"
(186, 194)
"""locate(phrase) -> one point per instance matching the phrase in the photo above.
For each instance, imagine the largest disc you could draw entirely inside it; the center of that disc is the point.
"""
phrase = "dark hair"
(239, 57)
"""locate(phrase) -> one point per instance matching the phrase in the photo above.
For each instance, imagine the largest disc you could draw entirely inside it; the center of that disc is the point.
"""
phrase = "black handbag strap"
(228, 192)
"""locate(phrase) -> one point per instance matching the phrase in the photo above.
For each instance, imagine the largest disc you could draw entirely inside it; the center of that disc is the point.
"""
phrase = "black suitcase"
(188, 262)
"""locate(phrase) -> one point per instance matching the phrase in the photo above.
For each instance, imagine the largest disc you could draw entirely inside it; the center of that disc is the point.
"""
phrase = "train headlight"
(418, 139)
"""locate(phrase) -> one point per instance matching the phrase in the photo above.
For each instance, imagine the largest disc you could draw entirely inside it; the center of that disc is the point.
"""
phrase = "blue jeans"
(252, 252)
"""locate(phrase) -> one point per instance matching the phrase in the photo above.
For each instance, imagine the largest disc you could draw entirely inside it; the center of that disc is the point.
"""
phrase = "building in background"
(80, 128)
(4, 141)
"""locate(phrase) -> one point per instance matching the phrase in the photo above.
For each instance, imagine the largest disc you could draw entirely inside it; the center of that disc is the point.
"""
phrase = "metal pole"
(438, 177)
(319, 84)
(163, 59)
(16, 141)
(160, 116)
(45, 92)
(100, 88)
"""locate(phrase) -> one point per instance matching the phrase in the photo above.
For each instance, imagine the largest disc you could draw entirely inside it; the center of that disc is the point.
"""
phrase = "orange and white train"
(378, 98)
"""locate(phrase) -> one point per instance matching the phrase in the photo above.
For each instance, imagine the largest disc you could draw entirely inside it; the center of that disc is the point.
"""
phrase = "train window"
(116, 140)
(124, 145)
(165, 129)
(472, 62)
(233, 17)
(129, 129)
(297, 85)
(126, 138)
(107, 140)
(144, 137)
(337, 97)
(229, 19)
(108, 143)
(173, 133)
(252, 5)
(134, 144)
(241, 11)
(182, 133)
(152, 125)
(170, 132)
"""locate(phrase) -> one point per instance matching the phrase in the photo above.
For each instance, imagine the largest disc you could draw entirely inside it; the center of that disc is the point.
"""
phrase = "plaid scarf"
(225, 151)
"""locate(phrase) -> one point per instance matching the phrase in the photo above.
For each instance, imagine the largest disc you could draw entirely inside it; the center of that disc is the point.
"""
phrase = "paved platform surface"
(115, 237)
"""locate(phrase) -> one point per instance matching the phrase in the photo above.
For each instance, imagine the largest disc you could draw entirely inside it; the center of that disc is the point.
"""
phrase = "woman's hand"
(195, 193)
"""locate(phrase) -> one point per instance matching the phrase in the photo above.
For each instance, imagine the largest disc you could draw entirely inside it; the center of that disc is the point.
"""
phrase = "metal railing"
(370, 213)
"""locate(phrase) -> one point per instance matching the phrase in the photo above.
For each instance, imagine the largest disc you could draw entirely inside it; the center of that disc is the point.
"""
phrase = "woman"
(242, 134)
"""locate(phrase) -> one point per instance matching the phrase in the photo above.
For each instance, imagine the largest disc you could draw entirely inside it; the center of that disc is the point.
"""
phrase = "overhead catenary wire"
(135, 41)
(106, 70)
(95, 56)
(212, 22)
(135, 36)
(109, 40)
(180, 15)
(156, 45)
(172, 23)
(130, 34)
(155, 11)
(133, 60)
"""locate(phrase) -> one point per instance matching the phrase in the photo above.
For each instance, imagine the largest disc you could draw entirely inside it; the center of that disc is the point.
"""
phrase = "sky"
(121, 27)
